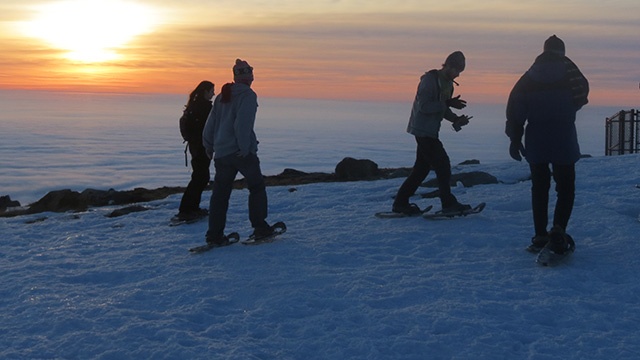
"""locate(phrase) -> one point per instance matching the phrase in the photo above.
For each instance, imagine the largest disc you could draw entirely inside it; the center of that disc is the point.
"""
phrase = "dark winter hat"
(555, 45)
(242, 70)
(456, 60)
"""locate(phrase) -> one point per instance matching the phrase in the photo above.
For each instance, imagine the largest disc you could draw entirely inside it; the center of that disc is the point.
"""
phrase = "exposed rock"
(59, 201)
(293, 177)
(470, 162)
(127, 210)
(349, 169)
(68, 200)
(6, 202)
(353, 169)
(291, 173)
(36, 220)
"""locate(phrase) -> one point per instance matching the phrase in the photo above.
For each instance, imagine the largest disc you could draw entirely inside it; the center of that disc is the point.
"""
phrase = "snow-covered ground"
(340, 284)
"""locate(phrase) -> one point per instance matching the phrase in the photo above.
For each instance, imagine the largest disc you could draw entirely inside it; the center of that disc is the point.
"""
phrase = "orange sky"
(313, 49)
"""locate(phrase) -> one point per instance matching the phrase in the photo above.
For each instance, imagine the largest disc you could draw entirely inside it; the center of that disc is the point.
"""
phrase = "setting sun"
(304, 48)
(90, 30)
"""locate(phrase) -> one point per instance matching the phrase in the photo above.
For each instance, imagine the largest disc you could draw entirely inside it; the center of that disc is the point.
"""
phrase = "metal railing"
(623, 133)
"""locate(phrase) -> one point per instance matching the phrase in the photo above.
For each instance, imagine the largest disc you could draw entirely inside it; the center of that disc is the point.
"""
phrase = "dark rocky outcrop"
(349, 169)
(127, 210)
(353, 169)
(68, 200)
(293, 177)
(6, 202)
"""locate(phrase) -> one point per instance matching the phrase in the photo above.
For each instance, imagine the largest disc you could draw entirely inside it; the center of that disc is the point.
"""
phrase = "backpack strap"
(186, 163)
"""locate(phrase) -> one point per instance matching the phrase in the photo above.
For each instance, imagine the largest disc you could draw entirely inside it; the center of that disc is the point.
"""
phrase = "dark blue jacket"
(547, 98)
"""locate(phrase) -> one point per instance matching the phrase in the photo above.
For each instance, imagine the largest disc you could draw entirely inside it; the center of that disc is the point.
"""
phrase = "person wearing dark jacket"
(191, 127)
(431, 105)
(229, 139)
(547, 98)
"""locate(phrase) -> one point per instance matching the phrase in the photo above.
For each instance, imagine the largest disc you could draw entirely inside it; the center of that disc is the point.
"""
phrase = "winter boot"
(218, 241)
(456, 208)
(559, 242)
(407, 209)
(262, 232)
(538, 243)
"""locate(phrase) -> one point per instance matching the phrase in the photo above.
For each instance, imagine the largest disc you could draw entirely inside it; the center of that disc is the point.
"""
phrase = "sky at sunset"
(329, 49)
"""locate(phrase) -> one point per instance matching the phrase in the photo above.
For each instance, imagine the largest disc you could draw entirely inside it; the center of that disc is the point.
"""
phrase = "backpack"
(187, 124)
(187, 129)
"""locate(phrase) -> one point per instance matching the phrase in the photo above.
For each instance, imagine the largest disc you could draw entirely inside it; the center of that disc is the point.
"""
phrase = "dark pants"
(565, 179)
(226, 170)
(200, 177)
(430, 154)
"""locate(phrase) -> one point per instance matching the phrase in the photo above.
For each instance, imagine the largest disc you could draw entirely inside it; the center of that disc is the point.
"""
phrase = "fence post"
(622, 133)
(636, 122)
(624, 129)
(607, 142)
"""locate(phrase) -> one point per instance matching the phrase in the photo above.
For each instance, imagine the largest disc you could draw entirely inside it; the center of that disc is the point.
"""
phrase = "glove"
(456, 103)
(516, 149)
(460, 122)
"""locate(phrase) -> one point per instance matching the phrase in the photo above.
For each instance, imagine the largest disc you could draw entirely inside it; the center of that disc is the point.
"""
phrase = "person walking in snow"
(229, 139)
(191, 127)
(547, 98)
(431, 105)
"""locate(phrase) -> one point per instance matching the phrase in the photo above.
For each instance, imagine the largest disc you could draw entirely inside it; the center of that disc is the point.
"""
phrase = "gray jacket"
(229, 127)
(430, 105)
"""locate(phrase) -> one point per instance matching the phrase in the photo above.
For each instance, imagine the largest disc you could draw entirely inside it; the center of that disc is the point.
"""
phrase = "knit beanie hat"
(456, 60)
(555, 45)
(242, 70)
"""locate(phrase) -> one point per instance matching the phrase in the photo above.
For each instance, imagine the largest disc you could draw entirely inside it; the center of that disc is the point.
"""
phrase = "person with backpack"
(229, 139)
(191, 126)
(547, 98)
(431, 105)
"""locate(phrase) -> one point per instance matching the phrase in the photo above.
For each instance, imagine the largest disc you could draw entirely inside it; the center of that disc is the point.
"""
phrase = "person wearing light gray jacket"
(229, 128)
(231, 142)
(430, 106)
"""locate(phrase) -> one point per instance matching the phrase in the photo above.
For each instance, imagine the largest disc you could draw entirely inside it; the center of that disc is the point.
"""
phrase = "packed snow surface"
(339, 284)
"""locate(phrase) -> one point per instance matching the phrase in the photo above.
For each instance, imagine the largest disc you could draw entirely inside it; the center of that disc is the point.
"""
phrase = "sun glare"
(90, 30)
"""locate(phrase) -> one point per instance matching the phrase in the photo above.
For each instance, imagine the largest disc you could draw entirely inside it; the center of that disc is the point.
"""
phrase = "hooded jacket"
(547, 98)
(430, 105)
(229, 127)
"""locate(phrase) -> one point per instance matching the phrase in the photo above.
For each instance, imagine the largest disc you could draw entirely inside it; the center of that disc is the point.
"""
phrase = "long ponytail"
(226, 93)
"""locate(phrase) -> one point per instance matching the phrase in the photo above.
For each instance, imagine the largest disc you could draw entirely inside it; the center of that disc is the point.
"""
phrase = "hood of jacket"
(548, 68)
(238, 89)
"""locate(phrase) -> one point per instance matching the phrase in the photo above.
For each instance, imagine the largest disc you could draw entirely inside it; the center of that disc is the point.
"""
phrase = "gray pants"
(226, 170)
